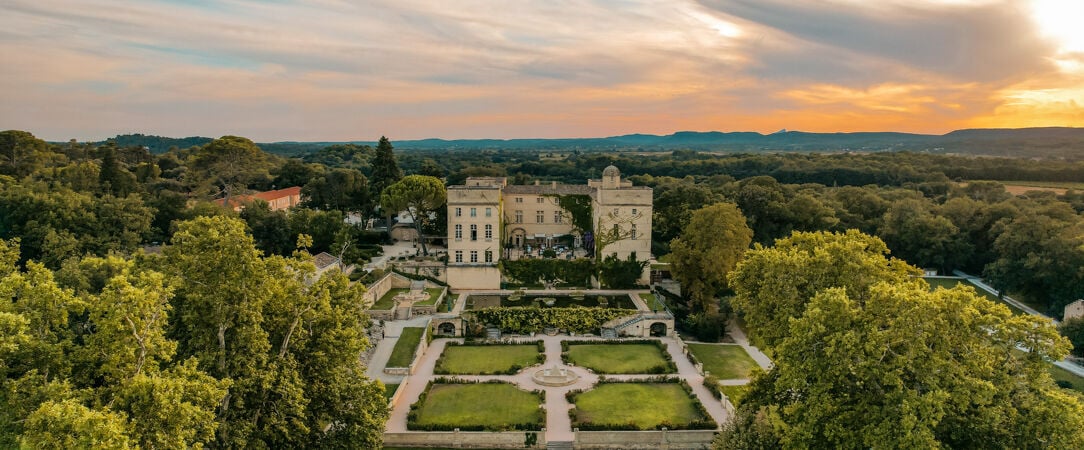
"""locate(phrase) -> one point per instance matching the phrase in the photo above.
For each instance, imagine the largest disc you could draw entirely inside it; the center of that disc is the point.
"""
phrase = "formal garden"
(641, 356)
(638, 405)
(449, 404)
(572, 300)
(387, 301)
(488, 359)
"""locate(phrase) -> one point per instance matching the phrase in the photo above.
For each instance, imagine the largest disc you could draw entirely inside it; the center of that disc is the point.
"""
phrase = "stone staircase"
(559, 445)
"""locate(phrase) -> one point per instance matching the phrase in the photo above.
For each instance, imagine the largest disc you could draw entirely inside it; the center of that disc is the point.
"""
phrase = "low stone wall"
(631, 440)
(423, 345)
(382, 286)
(464, 439)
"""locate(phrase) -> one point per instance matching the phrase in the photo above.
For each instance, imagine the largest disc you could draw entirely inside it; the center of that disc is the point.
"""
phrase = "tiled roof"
(266, 196)
(323, 260)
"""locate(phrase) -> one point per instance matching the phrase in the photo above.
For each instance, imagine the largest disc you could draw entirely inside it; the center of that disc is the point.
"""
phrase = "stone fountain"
(555, 376)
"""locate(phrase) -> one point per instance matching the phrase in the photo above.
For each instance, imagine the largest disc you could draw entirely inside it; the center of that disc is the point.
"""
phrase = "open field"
(485, 359)
(618, 358)
(647, 405)
(492, 406)
(725, 361)
(403, 352)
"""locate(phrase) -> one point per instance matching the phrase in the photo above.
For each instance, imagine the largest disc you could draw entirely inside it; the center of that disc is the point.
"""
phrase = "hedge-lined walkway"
(558, 424)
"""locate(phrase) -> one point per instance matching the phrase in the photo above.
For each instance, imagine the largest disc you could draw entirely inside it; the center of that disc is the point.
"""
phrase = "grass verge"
(724, 361)
(403, 352)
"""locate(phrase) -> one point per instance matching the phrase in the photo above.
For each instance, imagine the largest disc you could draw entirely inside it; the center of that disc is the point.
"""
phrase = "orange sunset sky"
(333, 70)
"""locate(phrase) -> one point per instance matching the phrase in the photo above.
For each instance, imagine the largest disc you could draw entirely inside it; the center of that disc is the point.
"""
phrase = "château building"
(489, 220)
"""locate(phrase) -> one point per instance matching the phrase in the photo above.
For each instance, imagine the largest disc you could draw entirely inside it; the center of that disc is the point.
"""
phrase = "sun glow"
(1060, 20)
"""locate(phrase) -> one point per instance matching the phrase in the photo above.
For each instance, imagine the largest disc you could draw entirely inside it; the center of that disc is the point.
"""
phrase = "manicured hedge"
(528, 319)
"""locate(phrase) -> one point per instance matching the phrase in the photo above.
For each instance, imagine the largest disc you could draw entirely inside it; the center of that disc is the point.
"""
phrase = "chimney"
(536, 182)
(554, 184)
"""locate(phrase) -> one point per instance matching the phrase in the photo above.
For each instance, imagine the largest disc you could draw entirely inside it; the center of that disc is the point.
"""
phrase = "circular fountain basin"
(555, 376)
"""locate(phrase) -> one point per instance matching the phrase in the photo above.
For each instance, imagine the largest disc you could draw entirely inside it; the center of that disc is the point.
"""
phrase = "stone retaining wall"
(464, 439)
(632, 440)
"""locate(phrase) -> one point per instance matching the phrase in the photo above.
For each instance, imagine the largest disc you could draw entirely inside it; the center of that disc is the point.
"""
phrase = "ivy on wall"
(532, 319)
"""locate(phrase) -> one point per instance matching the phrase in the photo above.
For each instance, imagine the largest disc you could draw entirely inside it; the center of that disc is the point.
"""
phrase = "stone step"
(559, 445)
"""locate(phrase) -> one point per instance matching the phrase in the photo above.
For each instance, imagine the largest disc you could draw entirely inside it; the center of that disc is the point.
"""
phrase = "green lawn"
(403, 352)
(485, 359)
(387, 301)
(725, 361)
(434, 295)
(1064, 375)
(648, 405)
(619, 358)
(489, 405)
(652, 302)
(734, 393)
(389, 390)
(949, 283)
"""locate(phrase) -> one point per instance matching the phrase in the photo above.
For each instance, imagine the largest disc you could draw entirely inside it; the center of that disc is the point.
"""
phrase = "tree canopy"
(709, 247)
(418, 195)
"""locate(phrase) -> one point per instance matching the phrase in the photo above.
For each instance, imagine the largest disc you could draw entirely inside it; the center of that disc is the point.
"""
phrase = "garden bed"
(619, 357)
(488, 359)
(448, 404)
(660, 403)
(559, 301)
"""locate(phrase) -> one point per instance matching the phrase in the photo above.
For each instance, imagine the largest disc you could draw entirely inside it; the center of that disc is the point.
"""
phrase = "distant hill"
(1053, 142)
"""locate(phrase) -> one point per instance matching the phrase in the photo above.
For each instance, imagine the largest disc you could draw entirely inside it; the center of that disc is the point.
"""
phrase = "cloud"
(338, 69)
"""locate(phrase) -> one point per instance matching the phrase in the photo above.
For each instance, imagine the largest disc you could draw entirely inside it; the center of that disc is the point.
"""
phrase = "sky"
(338, 70)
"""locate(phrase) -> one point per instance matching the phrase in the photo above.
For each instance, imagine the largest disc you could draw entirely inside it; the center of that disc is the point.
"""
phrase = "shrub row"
(527, 319)
(711, 382)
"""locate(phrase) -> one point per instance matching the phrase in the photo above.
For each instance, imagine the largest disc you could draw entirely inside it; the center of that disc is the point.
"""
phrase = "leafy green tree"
(113, 177)
(886, 371)
(674, 204)
(269, 229)
(385, 172)
(228, 165)
(1073, 329)
(616, 274)
(1033, 252)
(69, 424)
(418, 195)
(431, 168)
(21, 153)
(174, 409)
(773, 285)
(922, 238)
(708, 249)
(345, 190)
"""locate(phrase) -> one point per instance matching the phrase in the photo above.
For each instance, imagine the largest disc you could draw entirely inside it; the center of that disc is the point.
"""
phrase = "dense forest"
(1050, 142)
(225, 325)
